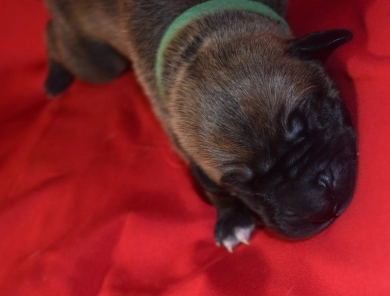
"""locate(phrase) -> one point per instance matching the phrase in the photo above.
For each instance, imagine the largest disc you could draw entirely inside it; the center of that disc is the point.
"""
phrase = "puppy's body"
(134, 29)
(248, 107)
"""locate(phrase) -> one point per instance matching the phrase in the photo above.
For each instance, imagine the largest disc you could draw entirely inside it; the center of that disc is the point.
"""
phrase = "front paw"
(58, 79)
(233, 226)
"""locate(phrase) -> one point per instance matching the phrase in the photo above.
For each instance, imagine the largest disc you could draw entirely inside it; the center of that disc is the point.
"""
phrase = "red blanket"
(93, 201)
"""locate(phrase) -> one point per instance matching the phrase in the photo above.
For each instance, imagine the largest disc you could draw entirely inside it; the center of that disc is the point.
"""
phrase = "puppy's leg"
(234, 223)
(71, 53)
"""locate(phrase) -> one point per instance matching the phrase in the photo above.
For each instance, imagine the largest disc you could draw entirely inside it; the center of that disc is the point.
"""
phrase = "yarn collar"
(199, 11)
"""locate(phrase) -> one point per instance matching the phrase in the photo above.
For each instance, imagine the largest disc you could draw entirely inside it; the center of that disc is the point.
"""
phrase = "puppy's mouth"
(299, 228)
(292, 226)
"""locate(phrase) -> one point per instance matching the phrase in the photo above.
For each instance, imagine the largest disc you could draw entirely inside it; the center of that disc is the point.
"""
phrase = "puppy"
(248, 106)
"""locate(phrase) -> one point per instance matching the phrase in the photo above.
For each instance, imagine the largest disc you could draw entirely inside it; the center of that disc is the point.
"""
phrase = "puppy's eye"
(295, 125)
(290, 213)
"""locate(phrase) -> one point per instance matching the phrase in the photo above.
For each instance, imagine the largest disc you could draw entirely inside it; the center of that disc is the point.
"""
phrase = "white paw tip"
(229, 248)
(243, 233)
(243, 240)
(230, 243)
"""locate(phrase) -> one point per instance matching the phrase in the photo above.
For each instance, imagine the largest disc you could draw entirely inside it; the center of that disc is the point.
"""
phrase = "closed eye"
(290, 213)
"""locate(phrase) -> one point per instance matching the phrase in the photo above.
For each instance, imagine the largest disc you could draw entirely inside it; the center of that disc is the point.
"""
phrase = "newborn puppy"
(248, 106)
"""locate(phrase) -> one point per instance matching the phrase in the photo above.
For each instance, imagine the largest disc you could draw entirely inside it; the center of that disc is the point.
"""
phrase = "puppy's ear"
(319, 45)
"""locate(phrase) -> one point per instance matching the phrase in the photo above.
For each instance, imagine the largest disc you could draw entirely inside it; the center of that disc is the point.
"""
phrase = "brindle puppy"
(248, 107)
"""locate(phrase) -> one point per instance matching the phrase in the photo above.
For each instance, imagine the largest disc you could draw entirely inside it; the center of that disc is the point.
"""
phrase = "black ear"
(319, 45)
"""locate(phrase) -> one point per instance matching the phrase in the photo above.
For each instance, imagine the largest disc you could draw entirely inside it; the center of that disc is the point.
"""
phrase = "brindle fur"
(238, 100)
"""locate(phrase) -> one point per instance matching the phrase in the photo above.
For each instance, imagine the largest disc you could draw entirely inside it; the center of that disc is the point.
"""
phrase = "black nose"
(326, 179)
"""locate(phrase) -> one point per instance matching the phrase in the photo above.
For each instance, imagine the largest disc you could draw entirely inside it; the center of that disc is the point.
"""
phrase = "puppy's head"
(311, 177)
(263, 122)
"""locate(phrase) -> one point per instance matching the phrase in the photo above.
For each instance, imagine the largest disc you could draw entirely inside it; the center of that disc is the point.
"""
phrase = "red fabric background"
(93, 201)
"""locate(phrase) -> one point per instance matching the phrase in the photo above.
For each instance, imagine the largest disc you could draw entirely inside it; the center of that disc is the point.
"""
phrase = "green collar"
(202, 10)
